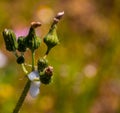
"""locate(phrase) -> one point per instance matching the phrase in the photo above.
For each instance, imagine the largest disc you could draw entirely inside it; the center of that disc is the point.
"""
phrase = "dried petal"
(34, 89)
(34, 75)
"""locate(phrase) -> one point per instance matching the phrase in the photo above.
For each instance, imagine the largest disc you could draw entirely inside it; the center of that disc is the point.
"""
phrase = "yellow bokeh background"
(86, 62)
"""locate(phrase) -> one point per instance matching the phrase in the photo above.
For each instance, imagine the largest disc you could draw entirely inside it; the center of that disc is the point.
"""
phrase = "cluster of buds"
(19, 45)
(31, 41)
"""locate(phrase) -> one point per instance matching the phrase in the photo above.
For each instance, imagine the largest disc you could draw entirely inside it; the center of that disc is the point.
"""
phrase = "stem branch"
(24, 69)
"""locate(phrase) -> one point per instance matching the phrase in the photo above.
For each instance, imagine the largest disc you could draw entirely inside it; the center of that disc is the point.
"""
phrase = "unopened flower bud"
(45, 77)
(20, 59)
(10, 40)
(32, 41)
(51, 39)
(42, 64)
(21, 44)
(58, 17)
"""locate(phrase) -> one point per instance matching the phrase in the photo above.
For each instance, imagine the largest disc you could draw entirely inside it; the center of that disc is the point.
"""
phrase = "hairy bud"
(45, 76)
(42, 64)
(51, 39)
(21, 44)
(10, 40)
(32, 41)
(20, 59)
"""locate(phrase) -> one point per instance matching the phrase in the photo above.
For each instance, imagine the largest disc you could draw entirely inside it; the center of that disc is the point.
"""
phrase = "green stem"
(48, 50)
(24, 69)
(26, 88)
(33, 60)
(22, 97)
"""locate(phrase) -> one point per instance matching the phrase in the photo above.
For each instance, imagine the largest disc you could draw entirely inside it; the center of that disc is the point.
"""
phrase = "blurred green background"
(86, 63)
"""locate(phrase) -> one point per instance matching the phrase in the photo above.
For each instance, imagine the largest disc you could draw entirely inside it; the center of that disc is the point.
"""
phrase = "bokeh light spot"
(45, 14)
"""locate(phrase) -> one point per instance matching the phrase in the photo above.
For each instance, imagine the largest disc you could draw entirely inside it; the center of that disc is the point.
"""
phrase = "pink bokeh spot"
(21, 32)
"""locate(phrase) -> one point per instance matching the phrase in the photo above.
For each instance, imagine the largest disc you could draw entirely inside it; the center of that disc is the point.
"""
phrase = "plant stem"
(26, 88)
(22, 97)
(24, 69)
(48, 50)
(33, 60)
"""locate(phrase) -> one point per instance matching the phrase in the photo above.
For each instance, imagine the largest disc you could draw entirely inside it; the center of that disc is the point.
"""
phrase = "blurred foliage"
(86, 63)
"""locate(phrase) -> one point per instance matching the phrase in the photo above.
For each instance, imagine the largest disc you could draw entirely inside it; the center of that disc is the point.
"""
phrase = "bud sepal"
(21, 44)
(42, 64)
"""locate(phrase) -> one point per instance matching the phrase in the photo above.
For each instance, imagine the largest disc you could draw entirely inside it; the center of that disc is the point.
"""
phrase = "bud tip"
(61, 13)
(58, 17)
(35, 24)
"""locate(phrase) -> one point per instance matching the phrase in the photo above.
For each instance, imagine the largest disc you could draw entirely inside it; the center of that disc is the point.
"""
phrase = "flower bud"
(58, 17)
(21, 44)
(32, 41)
(37, 42)
(10, 40)
(51, 39)
(20, 59)
(45, 77)
(42, 64)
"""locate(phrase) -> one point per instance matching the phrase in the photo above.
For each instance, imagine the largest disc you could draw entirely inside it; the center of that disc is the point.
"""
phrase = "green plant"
(43, 73)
